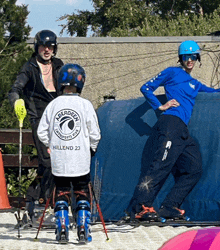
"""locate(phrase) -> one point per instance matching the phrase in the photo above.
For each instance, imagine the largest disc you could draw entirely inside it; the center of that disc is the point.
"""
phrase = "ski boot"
(25, 222)
(83, 216)
(62, 222)
(127, 218)
(172, 213)
(147, 214)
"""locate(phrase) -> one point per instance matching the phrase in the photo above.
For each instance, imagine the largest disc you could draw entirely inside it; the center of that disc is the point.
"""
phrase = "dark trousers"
(80, 186)
(43, 156)
(44, 168)
(173, 151)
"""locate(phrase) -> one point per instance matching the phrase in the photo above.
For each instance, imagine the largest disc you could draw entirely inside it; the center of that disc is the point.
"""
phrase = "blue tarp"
(125, 128)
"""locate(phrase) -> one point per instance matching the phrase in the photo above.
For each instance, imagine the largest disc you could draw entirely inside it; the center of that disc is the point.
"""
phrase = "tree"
(141, 17)
(166, 8)
(108, 15)
(14, 51)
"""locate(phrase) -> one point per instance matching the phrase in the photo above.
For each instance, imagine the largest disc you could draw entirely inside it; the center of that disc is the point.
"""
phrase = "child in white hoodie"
(69, 129)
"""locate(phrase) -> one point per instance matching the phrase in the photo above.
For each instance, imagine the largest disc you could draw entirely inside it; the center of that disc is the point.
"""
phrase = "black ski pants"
(173, 151)
(79, 184)
(43, 156)
(44, 168)
(72, 189)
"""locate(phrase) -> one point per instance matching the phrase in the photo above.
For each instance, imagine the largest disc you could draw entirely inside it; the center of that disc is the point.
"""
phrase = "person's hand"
(169, 104)
(48, 151)
(92, 152)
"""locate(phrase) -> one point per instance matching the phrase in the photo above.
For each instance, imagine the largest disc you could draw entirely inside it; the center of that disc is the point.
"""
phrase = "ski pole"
(21, 113)
(100, 212)
(42, 217)
(51, 192)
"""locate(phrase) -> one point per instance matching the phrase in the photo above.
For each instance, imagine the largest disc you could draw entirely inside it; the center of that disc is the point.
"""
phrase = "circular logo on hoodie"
(67, 124)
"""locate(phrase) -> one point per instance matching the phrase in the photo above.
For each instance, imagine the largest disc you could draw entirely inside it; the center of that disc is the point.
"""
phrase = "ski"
(175, 223)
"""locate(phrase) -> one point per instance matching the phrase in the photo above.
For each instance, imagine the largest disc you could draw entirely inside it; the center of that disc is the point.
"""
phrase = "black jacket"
(29, 85)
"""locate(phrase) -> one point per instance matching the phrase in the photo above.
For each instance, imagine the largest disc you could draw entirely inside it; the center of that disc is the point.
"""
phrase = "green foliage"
(146, 18)
(13, 182)
(77, 23)
(108, 15)
(172, 8)
(181, 25)
(14, 149)
(8, 118)
(14, 52)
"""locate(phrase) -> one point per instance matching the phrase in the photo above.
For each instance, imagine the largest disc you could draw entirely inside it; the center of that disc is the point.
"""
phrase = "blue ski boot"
(83, 216)
(62, 222)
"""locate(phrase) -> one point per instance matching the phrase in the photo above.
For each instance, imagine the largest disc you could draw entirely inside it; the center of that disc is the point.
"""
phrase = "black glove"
(92, 152)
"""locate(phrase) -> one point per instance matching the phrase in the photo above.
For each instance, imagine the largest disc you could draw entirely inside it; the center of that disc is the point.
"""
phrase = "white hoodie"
(69, 127)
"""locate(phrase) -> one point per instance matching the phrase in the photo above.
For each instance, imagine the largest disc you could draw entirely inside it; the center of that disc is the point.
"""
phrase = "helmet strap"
(41, 60)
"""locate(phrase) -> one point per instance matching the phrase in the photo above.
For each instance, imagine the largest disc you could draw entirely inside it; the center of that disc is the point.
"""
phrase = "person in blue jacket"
(175, 150)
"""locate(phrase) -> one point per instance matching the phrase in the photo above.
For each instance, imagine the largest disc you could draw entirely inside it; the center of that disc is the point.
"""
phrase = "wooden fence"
(11, 136)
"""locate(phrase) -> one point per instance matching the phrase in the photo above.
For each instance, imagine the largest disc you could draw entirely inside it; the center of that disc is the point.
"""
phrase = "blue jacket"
(178, 85)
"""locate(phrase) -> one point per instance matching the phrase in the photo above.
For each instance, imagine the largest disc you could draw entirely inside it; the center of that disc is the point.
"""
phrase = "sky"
(44, 13)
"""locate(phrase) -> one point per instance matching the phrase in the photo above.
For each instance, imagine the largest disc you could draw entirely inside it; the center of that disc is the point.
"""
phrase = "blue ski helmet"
(189, 47)
(71, 75)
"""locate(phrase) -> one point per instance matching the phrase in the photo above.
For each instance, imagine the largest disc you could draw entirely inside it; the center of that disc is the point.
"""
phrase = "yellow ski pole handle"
(20, 111)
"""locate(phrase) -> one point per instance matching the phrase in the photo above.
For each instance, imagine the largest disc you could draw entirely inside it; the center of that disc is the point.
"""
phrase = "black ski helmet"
(45, 37)
(71, 75)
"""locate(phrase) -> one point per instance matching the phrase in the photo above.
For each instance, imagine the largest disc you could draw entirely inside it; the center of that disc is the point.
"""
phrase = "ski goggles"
(186, 57)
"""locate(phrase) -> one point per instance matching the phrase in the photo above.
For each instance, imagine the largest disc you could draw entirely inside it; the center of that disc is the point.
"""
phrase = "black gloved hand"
(92, 152)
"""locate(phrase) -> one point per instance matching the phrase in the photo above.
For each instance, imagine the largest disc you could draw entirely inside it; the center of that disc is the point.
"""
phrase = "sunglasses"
(193, 57)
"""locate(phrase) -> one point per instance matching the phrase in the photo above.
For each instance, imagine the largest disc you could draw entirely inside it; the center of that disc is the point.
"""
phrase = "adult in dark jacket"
(36, 83)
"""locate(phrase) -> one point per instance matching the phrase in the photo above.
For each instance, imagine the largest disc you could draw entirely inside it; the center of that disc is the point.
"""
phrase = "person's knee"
(196, 170)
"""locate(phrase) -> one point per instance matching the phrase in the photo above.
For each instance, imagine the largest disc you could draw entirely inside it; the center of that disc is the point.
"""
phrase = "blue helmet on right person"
(71, 75)
(189, 47)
